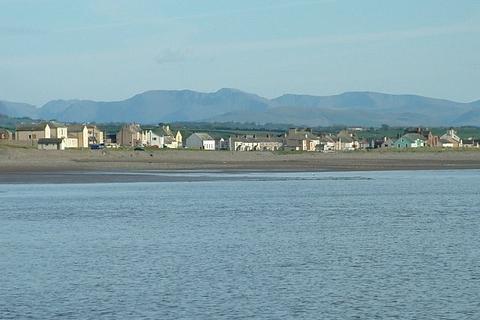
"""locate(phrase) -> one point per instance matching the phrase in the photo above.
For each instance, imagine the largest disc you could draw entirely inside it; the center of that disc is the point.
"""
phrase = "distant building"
(178, 143)
(153, 138)
(410, 140)
(346, 141)
(78, 136)
(95, 135)
(255, 143)
(430, 139)
(130, 135)
(162, 137)
(381, 143)
(36, 131)
(327, 143)
(450, 140)
(5, 134)
(221, 144)
(51, 144)
(301, 140)
(471, 143)
(200, 140)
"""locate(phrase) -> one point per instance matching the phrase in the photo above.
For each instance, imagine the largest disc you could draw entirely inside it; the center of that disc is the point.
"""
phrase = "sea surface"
(364, 245)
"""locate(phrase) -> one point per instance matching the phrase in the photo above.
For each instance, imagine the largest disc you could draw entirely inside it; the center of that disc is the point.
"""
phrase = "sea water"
(369, 245)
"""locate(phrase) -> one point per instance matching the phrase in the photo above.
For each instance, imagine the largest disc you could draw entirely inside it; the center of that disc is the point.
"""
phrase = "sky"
(114, 49)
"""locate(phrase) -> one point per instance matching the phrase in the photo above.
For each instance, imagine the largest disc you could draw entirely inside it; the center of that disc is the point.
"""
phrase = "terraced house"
(255, 143)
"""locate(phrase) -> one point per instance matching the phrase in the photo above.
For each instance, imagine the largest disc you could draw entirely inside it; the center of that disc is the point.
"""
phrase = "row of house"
(418, 138)
(297, 139)
(54, 135)
(58, 136)
(294, 139)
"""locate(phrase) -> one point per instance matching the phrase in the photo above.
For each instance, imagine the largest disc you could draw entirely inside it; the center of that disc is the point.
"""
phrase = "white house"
(200, 140)
(151, 138)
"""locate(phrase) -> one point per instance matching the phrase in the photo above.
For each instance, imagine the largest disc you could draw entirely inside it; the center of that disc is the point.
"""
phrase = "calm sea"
(379, 245)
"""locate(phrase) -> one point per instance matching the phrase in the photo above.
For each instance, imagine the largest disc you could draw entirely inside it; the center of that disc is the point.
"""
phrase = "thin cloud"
(20, 31)
(168, 56)
(340, 39)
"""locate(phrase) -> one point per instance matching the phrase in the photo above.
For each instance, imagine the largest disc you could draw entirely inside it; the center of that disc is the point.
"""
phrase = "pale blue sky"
(112, 49)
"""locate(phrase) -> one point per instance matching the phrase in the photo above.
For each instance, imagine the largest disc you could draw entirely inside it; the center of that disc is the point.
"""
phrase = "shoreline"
(93, 166)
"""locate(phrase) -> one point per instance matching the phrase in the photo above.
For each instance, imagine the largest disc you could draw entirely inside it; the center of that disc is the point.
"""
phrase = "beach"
(22, 165)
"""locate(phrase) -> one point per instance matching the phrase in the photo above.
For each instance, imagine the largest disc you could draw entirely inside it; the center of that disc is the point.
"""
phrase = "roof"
(202, 136)
(49, 141)
(448, 139)
(255, 138)
(300, 134)
(3, 130)
(76, 128)
(162, 132)
(345, 138)
(326, 138)
(31, 126)
(413, 137)
(38, 126)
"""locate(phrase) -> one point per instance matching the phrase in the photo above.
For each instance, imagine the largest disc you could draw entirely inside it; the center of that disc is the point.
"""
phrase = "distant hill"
(15, 109)
(231, 105)
(10, 123)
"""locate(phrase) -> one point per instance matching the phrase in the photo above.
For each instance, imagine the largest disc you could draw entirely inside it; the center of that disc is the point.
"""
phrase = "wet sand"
(19, 165)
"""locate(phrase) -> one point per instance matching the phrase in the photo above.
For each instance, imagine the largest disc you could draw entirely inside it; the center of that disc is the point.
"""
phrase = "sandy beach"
(29, 165)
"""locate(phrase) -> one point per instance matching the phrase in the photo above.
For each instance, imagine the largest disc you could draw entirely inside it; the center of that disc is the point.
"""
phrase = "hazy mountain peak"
(363, 108)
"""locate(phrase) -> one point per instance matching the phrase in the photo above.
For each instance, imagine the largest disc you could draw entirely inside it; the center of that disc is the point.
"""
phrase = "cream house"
(78, 133)
(36, 131)
(32, 132)
(58, 130)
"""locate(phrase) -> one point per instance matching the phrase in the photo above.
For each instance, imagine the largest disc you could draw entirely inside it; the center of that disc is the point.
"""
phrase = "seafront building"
(200, 140)
(294, 139)
(410, 140)
(130, 135)
(78, 136)
(5, 134)
(301, 140)
(450, 140)
(72, 136)
(51, 144)
(35, 131)
(255, 143)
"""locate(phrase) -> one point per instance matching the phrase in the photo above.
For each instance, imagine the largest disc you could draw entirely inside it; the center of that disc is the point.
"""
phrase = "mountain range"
(231, 105)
